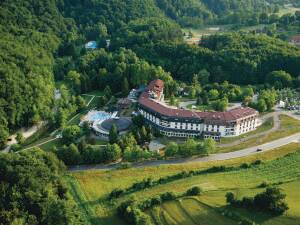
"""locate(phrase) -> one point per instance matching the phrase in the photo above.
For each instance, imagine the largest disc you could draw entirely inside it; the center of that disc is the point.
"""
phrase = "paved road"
(216, 157)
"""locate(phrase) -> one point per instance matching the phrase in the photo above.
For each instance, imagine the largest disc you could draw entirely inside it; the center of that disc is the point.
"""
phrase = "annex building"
(175, 122)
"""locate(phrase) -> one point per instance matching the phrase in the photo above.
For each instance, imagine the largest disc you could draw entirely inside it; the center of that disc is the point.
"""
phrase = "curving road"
(275, 127)
(216, 157)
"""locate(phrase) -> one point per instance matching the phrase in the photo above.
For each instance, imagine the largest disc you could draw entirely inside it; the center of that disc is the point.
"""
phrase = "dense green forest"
(42, 49)
(33, 191)
(236, 57)
(42, 41)
(31, 32)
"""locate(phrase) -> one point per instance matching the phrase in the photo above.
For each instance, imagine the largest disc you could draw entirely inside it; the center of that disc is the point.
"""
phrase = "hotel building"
(175, 122)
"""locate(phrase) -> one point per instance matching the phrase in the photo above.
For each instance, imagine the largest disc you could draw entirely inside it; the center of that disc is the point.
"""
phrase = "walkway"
(26, 132)
(42, 143)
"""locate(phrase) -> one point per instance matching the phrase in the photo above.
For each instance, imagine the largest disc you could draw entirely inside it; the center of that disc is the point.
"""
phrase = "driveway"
(275, 127)
(215, 157)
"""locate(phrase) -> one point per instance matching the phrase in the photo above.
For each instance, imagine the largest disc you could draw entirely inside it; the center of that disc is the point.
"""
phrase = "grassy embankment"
(96, 185)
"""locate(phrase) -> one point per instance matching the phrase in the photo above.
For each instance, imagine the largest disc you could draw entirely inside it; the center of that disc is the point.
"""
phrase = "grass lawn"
(87, 98)
(288, 126)
(96, 185)
(188, 211)
(287, 9)
(75, 120)
(50, 145)
(97, 141)
(84, 208)
(216, 199)
(201, 107)
(94, 103)
(41, 134)
(267, 125)
(205, 30)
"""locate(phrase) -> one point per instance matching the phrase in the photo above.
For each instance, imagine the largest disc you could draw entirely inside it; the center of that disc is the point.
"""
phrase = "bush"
(193, 191)
(263, 185)
(155, 201)
(15, 147)
(115, 193)
(247, 202)
(270, 201)
(124, 165)
(168, 196)
(257, 162)
(245, 166)
(131, 212)
(230, 198)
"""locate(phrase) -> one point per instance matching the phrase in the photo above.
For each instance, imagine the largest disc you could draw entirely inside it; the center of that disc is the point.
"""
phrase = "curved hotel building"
(174, 122)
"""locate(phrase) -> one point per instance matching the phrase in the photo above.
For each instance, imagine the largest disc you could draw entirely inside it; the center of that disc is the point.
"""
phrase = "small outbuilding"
(124, 103)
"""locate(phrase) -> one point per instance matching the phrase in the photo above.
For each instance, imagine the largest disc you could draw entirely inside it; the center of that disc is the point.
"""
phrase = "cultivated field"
(91, 189)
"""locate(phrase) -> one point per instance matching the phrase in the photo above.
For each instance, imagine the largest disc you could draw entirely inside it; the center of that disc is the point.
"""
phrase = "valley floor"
(280, 167)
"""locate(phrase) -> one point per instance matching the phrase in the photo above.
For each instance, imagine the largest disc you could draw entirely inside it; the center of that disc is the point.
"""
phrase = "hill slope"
(31, 31)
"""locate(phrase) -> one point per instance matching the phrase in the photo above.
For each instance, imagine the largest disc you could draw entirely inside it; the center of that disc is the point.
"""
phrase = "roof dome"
(122, 124)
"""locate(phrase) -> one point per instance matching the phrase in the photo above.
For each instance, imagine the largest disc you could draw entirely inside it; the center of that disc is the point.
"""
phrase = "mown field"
(92, 188)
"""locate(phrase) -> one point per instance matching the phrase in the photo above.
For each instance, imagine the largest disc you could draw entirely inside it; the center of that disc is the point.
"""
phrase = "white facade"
(174, 122)
(172, 128)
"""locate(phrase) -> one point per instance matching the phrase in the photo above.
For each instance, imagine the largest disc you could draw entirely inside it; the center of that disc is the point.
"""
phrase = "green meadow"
(280, 167)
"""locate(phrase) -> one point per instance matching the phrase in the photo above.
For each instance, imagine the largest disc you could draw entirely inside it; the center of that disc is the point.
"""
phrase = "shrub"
(270, 201)
(247, 222)
(247, 202)
(168, 196)
(193, 191)
(155, 200)
(257, 162)
(15, 147)
(131, 212)
(215, 169)
(264, 184)
(124, 165)
(245, 166)
(230, 198)
(116, 193)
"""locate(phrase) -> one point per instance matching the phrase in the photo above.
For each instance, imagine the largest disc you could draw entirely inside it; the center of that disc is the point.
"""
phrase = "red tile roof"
(156, 85)
(296, 39)
(208, 117)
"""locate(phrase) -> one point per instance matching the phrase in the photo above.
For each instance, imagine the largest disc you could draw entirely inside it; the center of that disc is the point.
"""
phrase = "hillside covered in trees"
(42, 49)
(42, 41)
(33, 191)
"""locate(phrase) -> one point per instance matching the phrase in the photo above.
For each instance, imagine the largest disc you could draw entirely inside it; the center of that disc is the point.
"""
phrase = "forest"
(33, 190)
(42, 51)
(42, 41)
